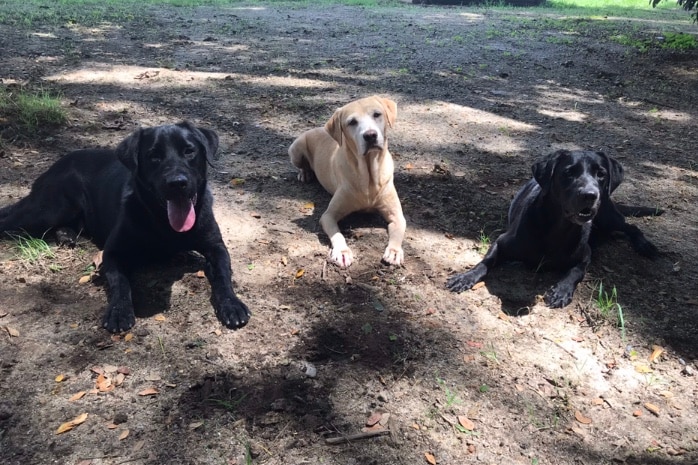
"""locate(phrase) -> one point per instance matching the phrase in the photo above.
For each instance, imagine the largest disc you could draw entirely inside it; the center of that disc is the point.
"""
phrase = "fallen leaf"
(466, 422)
(124, 370)
(3, 314)
(415, 426)
(123, 435)
(84, 279)
(503, 316)
(374, 418)
(196, 424)
(59, 378)
(430, 458)
(68, 425)
(579, 416)
(97, 370)
(149, 392)
(237, 181)
(128, 337)
(160, 317)
(97, 260)
(652, 408)
(201, 274)
(77, 396)
(284, 260)
(300, 273)
(478, 285)
(656, 352)
(643, 369)
(308, 205)
(119, 379)
(637, 413)
(475, 344)
(597, 401)
(112, 426)
(408, 166)
(12, 331)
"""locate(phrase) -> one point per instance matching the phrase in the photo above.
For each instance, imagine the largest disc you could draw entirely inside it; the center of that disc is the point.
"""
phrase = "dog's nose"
(371, 136)
(589, 196)
(177, 182)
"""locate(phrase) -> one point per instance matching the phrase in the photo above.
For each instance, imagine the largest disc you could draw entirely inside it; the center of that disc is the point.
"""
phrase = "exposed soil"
(481, 93)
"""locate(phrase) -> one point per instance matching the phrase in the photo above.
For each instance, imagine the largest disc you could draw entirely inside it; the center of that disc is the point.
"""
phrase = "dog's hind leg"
(36, 216)
(298, 153)
(610, 219)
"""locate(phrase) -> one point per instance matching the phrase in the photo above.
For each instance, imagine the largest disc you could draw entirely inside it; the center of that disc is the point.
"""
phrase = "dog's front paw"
(342, 257)
(118, 318)
(231, 311)
(461, 282)
(394, 256)
(305, 175)
(558, 296)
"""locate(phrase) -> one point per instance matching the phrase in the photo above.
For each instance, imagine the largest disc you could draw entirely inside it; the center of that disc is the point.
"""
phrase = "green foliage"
(32, 110)
(679, 41)
(31, 249)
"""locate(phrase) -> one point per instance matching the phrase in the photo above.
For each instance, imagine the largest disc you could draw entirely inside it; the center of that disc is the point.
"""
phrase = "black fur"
(553, 218)
(120, 199)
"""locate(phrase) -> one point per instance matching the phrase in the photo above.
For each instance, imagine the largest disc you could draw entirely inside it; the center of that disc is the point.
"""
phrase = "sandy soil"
(481, 93)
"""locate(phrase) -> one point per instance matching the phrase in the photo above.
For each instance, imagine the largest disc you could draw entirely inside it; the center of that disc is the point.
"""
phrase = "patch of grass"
(484, 242)
(679, 41)
(640, 44)
(31, 249)
(451, 397)
(610, 309)
(32, 110)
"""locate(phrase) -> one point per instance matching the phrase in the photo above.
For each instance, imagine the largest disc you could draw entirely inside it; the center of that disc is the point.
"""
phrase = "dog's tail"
(636, 212)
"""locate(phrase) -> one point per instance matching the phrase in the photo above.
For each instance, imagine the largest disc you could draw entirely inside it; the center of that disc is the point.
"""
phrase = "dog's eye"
(352, 122)
(155, 160)
(189, 153)
(377, 114)
(601, 173)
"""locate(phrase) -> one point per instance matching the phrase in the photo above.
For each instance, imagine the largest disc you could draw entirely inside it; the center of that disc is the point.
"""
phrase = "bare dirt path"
(481, 93)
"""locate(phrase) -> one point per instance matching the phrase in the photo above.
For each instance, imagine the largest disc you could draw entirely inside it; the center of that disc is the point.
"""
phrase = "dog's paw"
(558, 296)
(118, 319)
(232, 312)
(461, 282)
(342, 257)
(394, 256)
(306, 175)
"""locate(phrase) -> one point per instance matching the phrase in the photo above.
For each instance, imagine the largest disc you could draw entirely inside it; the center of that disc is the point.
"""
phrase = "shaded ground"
(480, 94)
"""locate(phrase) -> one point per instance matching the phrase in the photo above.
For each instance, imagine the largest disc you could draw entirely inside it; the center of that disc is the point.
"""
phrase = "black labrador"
(556, 216)
(147, 199)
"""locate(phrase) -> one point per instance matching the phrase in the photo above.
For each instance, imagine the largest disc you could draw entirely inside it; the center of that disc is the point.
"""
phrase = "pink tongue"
(181, 215)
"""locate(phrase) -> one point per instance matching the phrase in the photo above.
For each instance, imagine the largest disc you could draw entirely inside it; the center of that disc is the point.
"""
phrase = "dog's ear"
(334, 126)
(207, 137)
(390, 110)
(544, 168)
(615, 172)
(127, 150)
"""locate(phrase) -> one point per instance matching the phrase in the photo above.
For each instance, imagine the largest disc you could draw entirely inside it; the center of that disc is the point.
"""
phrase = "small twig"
(324, 270)
(357, 436)
(561, 347)
(133, 459)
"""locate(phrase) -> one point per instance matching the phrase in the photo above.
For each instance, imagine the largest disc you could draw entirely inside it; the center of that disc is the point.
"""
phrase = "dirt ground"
(489, 376)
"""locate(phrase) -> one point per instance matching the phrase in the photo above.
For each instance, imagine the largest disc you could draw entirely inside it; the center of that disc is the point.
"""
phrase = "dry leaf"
(3, 314)
(652, 408)
(374, 418)
(60, 378)
(637, 413)
(408, 166)
(300, 273)
(68, 425)
(196, 424)
(656, 352)
(159, 317)
(84, 279)
(478, 285)
(11, 331)
(119, 379)
(503, 316)
(77, 396)
(201, 274)
(123, 435)
(112, 426)
(149, 392)
(579, 416)
(237, 181)
(284, 260)
(466, 422)
(128, 337)
(430, 458)
(643, 369)
(97, 370)
(308, 205)
(597, 401)
(124, 370)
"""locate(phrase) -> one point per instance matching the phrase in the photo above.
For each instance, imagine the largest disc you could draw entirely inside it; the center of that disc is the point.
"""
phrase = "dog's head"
(362, 124)
(578, 180)
(170, 163)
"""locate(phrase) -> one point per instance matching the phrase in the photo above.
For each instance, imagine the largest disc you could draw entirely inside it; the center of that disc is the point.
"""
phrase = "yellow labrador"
(350, 158)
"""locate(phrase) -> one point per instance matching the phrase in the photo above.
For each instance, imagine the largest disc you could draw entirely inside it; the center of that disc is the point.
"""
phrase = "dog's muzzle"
(180, 206)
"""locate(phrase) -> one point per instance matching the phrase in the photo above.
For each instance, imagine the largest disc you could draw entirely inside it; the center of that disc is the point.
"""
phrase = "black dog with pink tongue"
(145, 200)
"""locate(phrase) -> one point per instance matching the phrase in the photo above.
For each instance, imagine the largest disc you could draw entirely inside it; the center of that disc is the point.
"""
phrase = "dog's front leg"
(119, 315)
(392, 212)
(464, 281)
(560, 295)
(338, 209)
(230, 310)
